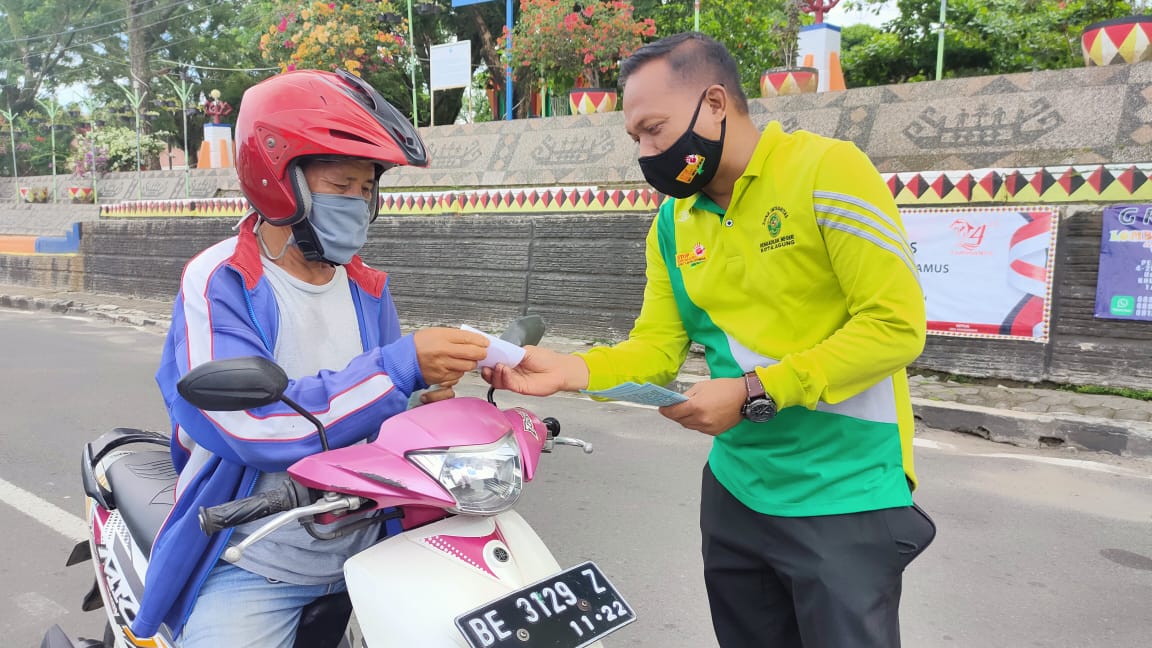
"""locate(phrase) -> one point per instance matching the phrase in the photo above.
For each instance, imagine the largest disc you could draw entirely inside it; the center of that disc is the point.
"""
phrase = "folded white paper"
(499, 351)
(646, 394)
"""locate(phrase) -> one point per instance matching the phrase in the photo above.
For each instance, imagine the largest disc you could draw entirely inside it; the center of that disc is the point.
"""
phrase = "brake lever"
(349, 503)
(568, 441)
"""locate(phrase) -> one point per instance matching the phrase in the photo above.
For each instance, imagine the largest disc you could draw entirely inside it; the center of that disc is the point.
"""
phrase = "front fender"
(416, 583)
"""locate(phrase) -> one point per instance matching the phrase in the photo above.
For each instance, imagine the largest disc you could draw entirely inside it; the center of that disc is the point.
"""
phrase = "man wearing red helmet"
(311, 147)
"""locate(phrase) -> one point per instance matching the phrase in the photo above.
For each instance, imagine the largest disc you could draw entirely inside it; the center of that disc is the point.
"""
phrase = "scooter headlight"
(485, 480)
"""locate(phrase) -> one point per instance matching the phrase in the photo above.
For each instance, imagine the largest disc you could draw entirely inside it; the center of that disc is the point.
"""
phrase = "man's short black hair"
(694, 57)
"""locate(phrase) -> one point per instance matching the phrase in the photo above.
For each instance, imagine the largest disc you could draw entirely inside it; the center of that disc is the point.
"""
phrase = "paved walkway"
(1022, 415)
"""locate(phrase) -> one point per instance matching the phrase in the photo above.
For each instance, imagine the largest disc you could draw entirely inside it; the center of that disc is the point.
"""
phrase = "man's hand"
(542, 372)
(446, 354)
(713, 406)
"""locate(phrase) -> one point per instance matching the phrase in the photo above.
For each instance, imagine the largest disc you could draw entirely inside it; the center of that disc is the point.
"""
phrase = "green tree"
(40, 41)
(750, 29)
(434, 22)
(981, 37)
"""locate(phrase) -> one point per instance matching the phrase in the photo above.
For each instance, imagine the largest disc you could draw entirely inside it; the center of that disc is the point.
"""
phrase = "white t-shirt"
(318, 330)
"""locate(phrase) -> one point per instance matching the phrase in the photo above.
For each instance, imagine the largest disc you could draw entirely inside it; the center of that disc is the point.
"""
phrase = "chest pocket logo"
(775, 222)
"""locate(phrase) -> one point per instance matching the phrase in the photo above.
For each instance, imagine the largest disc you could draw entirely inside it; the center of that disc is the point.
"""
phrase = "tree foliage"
(354, 35)
(41, 42)
(581, 47)
(981, 37)
(753, 30)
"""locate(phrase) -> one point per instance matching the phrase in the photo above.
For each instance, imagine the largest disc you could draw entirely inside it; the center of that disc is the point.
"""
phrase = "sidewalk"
(1025, 416)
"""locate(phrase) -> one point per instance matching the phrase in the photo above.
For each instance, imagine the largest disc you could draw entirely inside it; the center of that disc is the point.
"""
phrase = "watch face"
(760, 410)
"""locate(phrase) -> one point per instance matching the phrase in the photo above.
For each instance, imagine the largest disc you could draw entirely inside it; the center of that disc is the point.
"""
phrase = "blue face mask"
(341, 225)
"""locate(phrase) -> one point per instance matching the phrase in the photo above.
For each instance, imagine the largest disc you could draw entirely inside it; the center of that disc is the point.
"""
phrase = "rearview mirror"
(234, 384)
(525, 330)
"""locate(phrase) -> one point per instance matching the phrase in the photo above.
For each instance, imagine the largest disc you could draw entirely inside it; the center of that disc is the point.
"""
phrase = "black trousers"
(809, 582)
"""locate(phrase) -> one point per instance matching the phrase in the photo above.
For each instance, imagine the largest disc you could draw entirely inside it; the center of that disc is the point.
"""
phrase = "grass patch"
(1101, 390)
(1126, 392)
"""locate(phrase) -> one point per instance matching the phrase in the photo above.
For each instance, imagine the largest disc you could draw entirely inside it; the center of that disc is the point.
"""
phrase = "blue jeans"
(238, 608)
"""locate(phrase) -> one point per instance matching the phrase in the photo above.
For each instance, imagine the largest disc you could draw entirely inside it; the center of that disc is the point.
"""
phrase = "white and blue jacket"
(226, 309)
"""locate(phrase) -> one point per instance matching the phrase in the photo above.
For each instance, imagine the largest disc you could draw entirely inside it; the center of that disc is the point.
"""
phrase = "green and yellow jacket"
(807, 278)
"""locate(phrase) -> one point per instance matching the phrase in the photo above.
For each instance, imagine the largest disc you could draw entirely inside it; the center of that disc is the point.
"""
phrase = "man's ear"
(716, 101)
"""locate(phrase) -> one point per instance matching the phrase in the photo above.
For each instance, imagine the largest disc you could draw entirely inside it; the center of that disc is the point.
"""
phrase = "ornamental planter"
(34, 194)
(778, 82)
(80, 194)
(585, 101)
(1117, 41)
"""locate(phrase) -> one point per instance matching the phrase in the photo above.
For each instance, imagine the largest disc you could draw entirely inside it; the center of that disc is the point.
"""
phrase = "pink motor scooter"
(466, 570)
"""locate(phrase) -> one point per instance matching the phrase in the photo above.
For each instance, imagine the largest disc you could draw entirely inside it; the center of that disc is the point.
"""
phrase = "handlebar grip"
(237, 512)
(553, 427)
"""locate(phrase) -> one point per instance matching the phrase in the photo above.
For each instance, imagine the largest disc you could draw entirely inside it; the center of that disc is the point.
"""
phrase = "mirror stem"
(308, 415)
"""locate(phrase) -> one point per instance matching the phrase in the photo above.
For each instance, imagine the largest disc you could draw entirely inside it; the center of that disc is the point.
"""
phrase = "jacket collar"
(246, 261)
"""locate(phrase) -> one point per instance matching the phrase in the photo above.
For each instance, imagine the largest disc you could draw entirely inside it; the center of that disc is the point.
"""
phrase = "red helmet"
(310, 113)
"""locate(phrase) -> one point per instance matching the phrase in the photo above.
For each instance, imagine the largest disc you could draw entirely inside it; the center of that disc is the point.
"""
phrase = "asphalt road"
(1035, 549)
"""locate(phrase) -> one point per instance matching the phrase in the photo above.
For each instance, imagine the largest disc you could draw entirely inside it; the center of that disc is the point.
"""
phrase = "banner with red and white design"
(986, 271)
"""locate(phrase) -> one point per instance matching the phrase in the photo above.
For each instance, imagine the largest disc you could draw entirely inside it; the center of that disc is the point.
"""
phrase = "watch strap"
(753, 385)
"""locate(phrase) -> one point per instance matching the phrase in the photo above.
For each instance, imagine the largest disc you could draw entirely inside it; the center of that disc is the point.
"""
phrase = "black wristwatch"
(759, 407)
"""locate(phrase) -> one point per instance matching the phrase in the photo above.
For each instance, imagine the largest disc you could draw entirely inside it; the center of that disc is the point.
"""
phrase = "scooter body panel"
(409, 589)
(120, 569)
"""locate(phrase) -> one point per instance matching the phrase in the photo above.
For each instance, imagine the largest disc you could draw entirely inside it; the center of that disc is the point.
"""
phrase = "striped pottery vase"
(585, 101)
(1120, 40)
(778, 82)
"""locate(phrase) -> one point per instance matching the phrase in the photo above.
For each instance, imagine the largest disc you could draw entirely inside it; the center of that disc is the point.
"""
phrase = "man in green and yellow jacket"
(784, 256)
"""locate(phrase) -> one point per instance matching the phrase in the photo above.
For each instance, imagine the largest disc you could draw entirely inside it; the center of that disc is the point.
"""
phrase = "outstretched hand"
(713, 406)
(542, 372)
(446, 354)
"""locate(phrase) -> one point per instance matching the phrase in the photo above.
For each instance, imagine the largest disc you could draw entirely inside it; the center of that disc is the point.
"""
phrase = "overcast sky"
(844, 17)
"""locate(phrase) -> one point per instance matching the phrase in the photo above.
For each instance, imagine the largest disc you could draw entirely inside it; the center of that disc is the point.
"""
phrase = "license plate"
(571, 609)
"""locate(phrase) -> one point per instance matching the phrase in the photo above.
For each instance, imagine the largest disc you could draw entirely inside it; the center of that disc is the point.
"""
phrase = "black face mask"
(688, 165)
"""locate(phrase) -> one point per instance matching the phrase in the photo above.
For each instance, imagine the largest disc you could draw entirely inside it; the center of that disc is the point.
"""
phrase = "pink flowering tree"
(576, 48)
(361, 36)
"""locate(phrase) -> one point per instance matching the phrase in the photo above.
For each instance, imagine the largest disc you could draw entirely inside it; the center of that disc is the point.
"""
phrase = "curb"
(1030, 430)
(70, 307)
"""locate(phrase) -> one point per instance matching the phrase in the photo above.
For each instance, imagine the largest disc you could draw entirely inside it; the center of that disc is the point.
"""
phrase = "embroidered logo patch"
(774, 225)
(694, 165)
(774, 222)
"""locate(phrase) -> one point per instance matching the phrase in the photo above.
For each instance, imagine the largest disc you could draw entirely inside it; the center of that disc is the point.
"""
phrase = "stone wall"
(55, 272)
(122, 185)
(1060, 117)
(585, 276)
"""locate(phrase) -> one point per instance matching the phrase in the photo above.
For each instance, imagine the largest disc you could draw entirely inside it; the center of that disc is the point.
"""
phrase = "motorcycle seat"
(144, 485)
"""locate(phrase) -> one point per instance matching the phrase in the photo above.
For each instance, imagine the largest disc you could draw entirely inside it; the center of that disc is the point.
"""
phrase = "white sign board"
(451, 65)
(985, 271)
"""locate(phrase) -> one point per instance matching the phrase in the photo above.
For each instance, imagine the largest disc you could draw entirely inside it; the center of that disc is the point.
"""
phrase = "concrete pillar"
(820, 48)
(216, 152)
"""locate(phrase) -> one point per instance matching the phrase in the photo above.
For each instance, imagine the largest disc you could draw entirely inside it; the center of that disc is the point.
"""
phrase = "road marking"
(43, 511)
(933, 445)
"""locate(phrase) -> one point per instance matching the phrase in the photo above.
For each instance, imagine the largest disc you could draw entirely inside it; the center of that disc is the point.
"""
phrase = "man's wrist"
(759, 405)
(576, 373)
